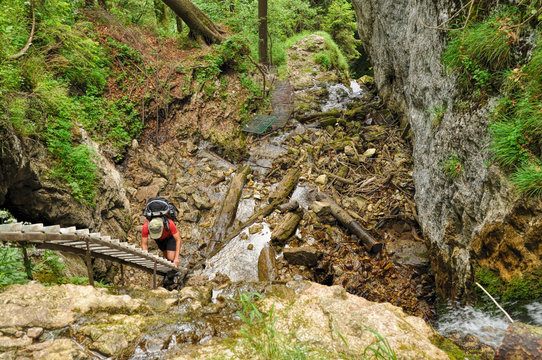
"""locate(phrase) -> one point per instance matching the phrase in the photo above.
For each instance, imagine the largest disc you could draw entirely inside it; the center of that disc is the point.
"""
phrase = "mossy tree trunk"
(160, 11)
(202, 29)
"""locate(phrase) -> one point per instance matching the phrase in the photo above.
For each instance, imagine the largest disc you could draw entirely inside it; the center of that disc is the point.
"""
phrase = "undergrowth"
(58, 85)
(490, 58)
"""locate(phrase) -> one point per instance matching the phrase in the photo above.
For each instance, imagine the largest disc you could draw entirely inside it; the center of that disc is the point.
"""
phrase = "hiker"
(167, 237)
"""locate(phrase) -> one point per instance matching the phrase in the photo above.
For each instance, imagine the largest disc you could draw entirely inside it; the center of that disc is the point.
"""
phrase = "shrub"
(480, 51)
(340, 23)
(11, 267)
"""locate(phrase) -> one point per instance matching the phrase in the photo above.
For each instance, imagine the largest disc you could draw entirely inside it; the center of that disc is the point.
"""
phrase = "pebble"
(255, 228)
(322, 179)
(250, 247)
(34, 332)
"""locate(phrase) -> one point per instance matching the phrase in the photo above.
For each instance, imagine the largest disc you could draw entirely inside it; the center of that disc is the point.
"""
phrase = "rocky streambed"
(81, 322)
(327, 287)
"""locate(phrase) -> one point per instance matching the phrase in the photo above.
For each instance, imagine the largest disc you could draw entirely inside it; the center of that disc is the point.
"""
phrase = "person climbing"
(167, 238)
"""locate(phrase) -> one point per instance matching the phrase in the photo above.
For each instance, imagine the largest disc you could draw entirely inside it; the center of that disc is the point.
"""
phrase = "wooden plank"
(68, 230)
(32, 228)
(82, 232)
(51, 229)
(34, 236)
(97, 255)
(14, 227)
(59, 236)
(11, 236)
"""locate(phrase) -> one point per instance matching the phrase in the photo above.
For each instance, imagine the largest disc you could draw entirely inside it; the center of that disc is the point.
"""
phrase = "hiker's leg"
(169, 254)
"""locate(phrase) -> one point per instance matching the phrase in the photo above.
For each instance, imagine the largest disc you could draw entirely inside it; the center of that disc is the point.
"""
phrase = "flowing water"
(340, 96)
(488, 326)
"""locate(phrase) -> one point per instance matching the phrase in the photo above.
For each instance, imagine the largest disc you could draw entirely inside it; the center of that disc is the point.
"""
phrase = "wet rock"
(521, 341)
(305, 256)
(114, 333)
(201, 202)
(267, 270)
(289, 206)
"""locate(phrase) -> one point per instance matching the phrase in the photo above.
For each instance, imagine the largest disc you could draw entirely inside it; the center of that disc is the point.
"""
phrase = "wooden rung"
(82, 232)
(106, 238)
(52, 237)
(11, 227)
(32, 228)
(95, 235)
(11, 236)
(68, 230)
(115, 241)
(53, 229)
(34, 236)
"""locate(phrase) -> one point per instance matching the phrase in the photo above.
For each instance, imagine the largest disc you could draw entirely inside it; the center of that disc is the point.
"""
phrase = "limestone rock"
(64, 349)
(34, 305)
(306, 256)
(154, 164)
(480, 214)
(9, 343)
(34, 332)
(321, 208)
(201, 202)
(144, 193)
(267, 268)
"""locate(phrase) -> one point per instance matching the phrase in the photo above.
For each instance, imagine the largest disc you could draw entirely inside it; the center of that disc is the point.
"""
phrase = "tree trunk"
(262, 43)
(160, 13)
(179, 23)
(201, 27)
(228, 210)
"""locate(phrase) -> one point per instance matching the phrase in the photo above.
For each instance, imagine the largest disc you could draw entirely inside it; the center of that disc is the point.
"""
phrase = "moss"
(454, 351)
(521, 288)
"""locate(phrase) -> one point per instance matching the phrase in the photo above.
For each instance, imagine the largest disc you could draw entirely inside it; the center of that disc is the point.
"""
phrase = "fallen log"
(286, 185)
(521, 341)
(289, 206)
(228, 210)
(347, 220)
(285, 228)
(282, 191)
(316, 116)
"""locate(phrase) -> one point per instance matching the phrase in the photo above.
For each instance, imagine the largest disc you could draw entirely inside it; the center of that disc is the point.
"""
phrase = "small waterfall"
(340, 96)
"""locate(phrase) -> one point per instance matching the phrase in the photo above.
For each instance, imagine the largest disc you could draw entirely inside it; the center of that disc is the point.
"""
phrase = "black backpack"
(159, 206)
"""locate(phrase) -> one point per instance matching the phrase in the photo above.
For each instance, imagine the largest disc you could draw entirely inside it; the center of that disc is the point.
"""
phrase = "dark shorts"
(167, 244)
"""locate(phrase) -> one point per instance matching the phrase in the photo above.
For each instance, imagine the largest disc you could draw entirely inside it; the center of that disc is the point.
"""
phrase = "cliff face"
(30, 196)
(474, 216)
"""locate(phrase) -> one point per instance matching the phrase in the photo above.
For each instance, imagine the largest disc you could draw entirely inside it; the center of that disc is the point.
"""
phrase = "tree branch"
(30, 38)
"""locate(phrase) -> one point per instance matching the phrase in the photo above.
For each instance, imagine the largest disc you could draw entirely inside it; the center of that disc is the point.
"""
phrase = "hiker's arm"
(177, 238)
(144, 243)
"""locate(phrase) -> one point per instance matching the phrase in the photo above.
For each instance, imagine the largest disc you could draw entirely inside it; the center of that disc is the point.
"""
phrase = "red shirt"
(165, 233)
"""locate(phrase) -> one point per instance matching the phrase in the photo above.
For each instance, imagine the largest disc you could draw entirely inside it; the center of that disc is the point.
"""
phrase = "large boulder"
(330, 319)
(54, 307)
(28, 193)
(475, 216)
